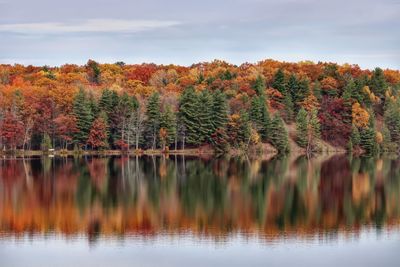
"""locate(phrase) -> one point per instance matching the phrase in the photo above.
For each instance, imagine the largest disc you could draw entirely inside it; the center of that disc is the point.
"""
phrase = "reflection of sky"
(370, 248)
(180, 31)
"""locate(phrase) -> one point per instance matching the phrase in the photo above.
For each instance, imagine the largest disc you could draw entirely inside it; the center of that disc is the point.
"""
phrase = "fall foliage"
(193, 105)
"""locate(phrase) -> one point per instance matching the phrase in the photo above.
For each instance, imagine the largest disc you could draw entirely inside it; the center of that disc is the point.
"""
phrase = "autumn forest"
(213, 106)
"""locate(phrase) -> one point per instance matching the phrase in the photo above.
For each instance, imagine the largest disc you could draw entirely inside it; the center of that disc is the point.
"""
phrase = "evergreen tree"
(244, 128)
(279, 135)
(289, 107)
(387, 144)
(348, 100)
(114, 99)
(368, 137)
(168, 122)
(219, 111)
(266, 121)
(259, 115)
(204, 116)
(219, 140)
(114, 119)
(349, 90)
(188, 107)
(255, 110)
(317, 90)
(279, 82)
(153, 121)
(314, 132)
(392, 119)
(378, 83)
(355, 136)
(367, 140)
(301, 128)
(292, 87)
(84, 118)
(259, 86)
(363, 97)
(106, 102)
(94, 109)
(105, 105)
(302, 92)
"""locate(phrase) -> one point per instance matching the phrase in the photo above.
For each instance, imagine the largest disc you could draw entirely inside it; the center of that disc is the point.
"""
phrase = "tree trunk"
(176, 142)
(154, 140)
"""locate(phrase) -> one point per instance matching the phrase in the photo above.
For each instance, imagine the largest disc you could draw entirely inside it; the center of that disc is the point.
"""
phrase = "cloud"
(88, 26)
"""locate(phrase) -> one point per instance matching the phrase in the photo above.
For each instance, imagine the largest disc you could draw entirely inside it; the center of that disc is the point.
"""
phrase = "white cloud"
(91, 25)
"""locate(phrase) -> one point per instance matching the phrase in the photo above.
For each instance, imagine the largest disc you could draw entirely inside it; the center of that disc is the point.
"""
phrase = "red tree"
(65, 128)
(12, 131)
(335, 118)
(98, 134)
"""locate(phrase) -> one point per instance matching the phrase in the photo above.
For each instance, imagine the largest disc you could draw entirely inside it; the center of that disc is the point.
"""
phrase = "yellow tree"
(359, 115)
(310, 103)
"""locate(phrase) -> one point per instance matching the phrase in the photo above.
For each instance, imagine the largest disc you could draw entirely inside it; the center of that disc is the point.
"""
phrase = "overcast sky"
(366, 32)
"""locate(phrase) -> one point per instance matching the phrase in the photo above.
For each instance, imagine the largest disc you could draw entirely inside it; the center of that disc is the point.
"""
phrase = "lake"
(185, 211)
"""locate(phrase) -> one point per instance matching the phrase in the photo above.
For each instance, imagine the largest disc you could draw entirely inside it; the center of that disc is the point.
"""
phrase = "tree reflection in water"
(117, 196)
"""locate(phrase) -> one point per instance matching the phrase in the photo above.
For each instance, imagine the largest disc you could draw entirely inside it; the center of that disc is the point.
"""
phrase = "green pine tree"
(378, 83)
(317, 90)
(392, 119)
(301, 128)
(279, 82)
(387, 144)
(349, 90)
(368, 137)
(204, 116)
(153, 115)
(314, 131)
(292, 87)
(219, 141)
(279, 135)
(107, 106)
(302, 92)
(244, 129)
(259, 86)
(259, 116)
(219, 111)
(106, 102)
(168, 122)
(187, 116)
(367, 140)
(94, 109)
(355, 136)
(362, 97)
(289, 107)
(84, 117)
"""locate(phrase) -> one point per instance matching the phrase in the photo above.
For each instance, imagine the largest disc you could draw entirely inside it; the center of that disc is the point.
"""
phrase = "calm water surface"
(158, 211)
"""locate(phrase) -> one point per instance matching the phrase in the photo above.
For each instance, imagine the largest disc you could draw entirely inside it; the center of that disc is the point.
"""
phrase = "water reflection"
(149, 196)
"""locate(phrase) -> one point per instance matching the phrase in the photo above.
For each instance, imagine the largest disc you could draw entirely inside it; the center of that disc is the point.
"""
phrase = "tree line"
(148, 106)
(198, 118)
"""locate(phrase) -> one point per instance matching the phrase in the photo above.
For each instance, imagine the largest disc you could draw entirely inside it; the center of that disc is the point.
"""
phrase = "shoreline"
(196, 152)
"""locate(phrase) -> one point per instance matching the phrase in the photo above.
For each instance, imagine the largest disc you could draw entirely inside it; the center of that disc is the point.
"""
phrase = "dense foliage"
(118, 106)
